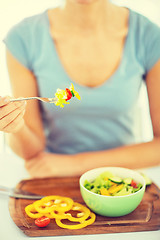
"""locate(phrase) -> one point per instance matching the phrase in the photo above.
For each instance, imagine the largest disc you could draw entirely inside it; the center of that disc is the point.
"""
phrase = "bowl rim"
(103, 196)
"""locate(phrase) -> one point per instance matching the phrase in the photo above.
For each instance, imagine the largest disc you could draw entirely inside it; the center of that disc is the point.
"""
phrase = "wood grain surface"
(145, 218)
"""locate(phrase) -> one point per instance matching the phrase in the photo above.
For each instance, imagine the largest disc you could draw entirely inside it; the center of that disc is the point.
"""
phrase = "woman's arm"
(28, 140)
(134, 156)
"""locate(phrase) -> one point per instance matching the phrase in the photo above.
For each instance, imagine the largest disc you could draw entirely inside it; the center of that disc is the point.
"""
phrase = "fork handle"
(4, 190)
(22, 99)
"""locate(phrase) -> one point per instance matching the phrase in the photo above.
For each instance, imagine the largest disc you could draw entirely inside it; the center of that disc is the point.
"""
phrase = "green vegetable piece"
(87, 185)
(106, 174)
(139, 186)
(95, 190)
(122, 192)
(72, 93)
(127, 180)
(116, 179)
(108, 184)
(129, 189)
(99, 181)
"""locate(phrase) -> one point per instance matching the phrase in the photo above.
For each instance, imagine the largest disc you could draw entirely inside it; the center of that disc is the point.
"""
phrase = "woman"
(106, 51)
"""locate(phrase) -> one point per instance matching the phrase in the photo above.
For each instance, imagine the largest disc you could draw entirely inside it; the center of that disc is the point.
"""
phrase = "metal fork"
(43, 99)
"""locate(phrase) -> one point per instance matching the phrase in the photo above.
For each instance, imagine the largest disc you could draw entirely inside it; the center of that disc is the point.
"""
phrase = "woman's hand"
(11, 115)
(52, 165)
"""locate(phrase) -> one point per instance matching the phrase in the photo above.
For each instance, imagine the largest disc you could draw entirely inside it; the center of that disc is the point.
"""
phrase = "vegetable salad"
(108, 184)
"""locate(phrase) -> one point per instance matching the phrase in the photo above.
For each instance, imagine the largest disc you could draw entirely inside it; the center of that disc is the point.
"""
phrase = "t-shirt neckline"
(115, 73)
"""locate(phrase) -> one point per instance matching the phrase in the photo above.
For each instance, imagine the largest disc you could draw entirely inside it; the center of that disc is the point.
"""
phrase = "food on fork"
(63, 96)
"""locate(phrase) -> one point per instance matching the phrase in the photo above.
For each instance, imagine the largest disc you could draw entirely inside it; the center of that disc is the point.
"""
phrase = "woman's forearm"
(25, 142)
(136, 156)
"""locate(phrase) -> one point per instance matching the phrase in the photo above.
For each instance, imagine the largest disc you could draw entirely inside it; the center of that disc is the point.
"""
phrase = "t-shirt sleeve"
(17, 43)
(151, 45)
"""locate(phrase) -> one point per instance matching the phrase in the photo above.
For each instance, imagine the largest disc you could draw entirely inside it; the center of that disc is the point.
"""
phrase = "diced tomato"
(42, 221)
(69, 94)
(134, 184)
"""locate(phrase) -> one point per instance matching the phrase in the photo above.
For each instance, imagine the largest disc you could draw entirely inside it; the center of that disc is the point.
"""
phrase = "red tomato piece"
(69, 94)
(42, 221)
(134, 184)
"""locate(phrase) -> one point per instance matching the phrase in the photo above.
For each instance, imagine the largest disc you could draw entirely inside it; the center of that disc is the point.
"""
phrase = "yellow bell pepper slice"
(83, 214)
(31, 211)
(48, 215)
(115, 188)
(59, 215)
(104, 192)
(79, 225)
(76, 94)
(53, 202)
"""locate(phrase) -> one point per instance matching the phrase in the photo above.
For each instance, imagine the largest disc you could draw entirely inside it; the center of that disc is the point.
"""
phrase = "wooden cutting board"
(145, 218)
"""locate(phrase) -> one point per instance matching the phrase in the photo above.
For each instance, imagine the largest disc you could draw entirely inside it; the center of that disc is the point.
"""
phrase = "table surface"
(12, 171)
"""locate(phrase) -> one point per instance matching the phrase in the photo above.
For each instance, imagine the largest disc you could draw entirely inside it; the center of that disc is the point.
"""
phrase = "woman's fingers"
(10, 114)
(7, 119)
(16, 124)
(10, 107)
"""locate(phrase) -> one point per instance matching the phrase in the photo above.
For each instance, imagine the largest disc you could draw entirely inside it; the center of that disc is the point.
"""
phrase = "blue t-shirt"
(107, 115)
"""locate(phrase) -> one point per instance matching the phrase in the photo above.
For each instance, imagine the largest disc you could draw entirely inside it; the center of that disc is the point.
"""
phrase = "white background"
(13, 11)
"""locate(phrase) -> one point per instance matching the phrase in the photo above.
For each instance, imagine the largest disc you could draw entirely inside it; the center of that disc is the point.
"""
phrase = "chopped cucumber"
(127, 180)
(116, 179)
